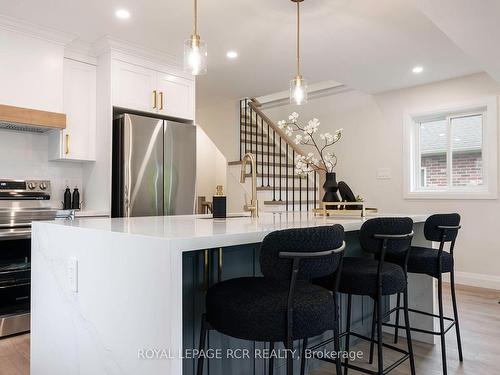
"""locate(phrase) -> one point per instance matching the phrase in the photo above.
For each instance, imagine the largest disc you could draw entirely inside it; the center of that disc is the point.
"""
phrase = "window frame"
(412, 158)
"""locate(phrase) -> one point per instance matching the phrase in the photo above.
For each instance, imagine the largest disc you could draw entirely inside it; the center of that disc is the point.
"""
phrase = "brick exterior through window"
(467, 169)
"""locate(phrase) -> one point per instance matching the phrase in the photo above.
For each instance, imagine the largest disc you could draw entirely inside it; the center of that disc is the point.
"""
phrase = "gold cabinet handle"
(67, 144)
(161, 100)
(155, 99)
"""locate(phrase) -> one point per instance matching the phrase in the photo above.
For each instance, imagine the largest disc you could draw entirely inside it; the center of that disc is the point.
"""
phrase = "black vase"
(330, 186)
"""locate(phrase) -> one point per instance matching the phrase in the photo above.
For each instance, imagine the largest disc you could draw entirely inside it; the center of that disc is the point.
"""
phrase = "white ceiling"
(473, 25)
(369, 45)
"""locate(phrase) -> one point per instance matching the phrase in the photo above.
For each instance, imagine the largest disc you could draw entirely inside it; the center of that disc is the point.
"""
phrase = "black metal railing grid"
(274, 165)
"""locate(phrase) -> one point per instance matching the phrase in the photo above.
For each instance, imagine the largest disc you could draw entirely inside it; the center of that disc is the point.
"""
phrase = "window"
(451, 153)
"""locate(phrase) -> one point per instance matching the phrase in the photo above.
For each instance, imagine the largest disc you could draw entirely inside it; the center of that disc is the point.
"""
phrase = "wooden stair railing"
(275, 157)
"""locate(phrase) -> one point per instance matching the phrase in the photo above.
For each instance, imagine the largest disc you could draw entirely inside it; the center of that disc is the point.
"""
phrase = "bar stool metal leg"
(303, 357)
(348, 329)
(380, 353)
(408, 332)
(271, 358)
(203, 336)
(374, 321)
(398, 304)
(455, 313)
(336, 347)
(441, 322)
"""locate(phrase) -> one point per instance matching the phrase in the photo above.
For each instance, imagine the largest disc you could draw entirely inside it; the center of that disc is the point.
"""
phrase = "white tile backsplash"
(25, 156)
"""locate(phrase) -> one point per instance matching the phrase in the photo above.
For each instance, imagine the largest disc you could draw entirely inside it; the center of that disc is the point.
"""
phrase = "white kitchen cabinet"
(148, 90)
(176, 96)
(134, 87)
(78, 141)
(31, 72)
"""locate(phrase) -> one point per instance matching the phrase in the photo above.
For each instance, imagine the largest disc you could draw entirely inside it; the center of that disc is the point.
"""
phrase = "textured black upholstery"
(385, 225)
(359, 277)
(423, 260)
(255, 309)
(301, 240)
(433, 233)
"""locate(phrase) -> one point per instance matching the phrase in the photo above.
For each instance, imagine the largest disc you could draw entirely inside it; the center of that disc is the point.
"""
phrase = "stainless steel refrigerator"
(154, 167)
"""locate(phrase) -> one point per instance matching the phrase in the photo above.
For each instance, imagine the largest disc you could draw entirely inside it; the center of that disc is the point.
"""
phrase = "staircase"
(279, 187)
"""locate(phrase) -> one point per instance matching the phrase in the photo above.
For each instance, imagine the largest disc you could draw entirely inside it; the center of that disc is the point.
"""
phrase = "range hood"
(30, 120)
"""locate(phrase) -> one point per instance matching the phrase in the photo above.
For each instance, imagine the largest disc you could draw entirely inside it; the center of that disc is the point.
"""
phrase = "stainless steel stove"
(21, 203)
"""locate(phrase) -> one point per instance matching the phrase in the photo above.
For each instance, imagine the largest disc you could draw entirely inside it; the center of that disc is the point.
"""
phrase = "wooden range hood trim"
(34, 117)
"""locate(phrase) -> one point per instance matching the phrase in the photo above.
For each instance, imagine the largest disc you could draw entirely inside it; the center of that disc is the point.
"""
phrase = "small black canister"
(67, 199)
(75, 199)
(219, 204)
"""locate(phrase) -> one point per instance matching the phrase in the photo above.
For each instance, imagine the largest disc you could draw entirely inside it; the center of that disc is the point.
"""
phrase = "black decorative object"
(75, 200)
(330, 186)
(347, 195)
(219, 204)
(67, 199)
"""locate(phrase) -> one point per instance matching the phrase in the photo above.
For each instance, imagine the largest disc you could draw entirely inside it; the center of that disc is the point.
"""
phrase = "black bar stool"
(282, 306)
(442, 228)
(374, 277)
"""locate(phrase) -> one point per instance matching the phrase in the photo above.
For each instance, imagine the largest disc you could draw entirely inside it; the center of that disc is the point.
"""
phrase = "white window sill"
(458, 195)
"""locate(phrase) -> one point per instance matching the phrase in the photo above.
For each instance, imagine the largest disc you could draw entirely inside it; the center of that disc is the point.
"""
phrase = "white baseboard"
(476, 279)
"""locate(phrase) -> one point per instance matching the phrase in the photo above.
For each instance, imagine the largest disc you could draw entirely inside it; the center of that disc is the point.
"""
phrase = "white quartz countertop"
(200, 231)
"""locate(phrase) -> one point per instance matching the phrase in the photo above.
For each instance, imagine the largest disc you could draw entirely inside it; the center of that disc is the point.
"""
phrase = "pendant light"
(195, 50)
(298, 85)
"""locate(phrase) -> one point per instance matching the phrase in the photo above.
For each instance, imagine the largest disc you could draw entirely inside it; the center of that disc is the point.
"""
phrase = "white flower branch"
(308, 163)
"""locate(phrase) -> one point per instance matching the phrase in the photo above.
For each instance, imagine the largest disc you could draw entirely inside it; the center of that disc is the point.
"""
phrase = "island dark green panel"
(206, 267)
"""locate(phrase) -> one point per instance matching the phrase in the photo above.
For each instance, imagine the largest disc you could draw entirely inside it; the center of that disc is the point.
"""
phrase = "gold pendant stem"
(195, 17)
(298, 38)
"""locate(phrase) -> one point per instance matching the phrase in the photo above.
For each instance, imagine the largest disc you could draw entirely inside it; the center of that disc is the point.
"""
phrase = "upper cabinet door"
(80, 107)
(134, 87)
(31, 72)
(176, 96)
(78, 141)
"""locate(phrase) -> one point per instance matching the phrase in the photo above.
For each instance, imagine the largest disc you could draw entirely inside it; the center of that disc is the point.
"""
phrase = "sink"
(230, 216)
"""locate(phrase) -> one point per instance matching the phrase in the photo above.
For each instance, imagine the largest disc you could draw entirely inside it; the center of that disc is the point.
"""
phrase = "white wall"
(373, 138)
(220, 123)
(211, 166)
(25, 156)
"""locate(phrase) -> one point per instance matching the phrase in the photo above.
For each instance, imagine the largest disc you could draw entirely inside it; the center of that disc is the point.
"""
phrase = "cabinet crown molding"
(36, 31)
(112, 44)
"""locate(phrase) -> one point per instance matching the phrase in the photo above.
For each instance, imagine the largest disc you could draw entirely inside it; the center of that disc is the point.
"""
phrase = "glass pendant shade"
(195, 56)
(298, 91)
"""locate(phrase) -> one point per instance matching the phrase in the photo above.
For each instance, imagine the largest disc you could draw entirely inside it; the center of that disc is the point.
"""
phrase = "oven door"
(15, 280)
(7, 234)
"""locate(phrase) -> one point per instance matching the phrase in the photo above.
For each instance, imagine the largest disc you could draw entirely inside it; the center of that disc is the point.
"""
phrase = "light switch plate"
(384, 174)
(73, 274)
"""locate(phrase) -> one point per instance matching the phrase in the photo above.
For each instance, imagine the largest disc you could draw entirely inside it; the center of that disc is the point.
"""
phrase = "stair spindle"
(274, 165)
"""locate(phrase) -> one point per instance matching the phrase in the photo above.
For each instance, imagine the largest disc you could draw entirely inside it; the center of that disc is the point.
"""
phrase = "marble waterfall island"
(106, 293)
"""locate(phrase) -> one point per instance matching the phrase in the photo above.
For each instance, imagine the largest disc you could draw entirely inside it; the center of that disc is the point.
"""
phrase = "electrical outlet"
(383, 174)
(73, 274)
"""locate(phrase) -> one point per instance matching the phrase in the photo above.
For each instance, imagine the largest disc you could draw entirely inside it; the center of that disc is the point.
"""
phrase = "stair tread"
(290, 203)
(270, 163)
(283, 175)
(265, 153)
(284, 188)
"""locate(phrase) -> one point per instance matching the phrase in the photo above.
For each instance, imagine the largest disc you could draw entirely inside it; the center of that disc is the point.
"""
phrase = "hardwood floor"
(15, 355)
(479, 314)
(479, 311)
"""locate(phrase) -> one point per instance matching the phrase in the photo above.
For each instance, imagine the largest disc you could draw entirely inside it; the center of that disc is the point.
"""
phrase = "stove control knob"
(43, 186)
(31, 185)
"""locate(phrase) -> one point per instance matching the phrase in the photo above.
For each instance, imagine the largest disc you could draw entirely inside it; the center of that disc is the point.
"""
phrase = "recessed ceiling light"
(232, 54)
(417, 70)
(122, 14)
